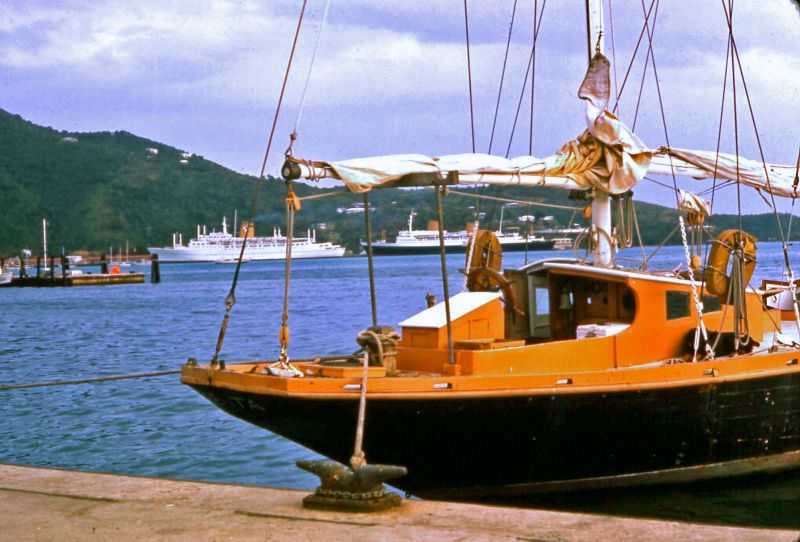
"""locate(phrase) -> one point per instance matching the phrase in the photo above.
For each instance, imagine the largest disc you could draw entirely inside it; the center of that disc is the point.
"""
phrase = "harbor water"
(158, 427)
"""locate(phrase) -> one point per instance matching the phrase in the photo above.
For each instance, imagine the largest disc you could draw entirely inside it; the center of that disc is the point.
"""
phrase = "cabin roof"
(460, 305)
(617, 273)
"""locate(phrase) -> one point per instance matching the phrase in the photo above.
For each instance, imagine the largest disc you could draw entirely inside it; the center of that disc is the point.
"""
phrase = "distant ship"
(222, 246)
(426, 241)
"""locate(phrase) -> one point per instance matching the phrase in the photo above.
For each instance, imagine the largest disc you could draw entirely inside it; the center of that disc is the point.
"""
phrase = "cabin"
(559, 310)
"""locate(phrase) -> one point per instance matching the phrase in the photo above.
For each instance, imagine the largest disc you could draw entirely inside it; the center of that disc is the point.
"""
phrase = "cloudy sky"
(390, 77)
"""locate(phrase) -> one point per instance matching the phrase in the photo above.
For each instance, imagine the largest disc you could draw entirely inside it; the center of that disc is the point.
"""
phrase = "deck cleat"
(359, 489)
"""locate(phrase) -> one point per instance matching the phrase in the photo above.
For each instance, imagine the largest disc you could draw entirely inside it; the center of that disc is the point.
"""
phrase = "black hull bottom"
(476, 447)
(382, 250)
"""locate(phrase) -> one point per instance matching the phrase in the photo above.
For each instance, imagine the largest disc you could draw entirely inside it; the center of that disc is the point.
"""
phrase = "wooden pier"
(47, 504)
(83, 279)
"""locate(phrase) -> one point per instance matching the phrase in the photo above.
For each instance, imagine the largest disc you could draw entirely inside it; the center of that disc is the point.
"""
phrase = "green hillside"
(103, 189)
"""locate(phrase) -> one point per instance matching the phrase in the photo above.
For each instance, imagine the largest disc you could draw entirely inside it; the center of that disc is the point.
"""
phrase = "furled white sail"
(608, 157)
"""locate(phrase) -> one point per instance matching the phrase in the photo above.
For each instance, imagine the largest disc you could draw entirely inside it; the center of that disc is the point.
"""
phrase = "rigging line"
(510, 200)
(725, 184)
(681, 225)
(613, 56)
(660, 183)
(633, 56)
(321, 25)
(719, 126)
(639, 235)
(283, 337)
(533, 76)
(325, 195)
(87, 380)
(519, 106)
(738, 59)
(794, 199)
(644, 71)
(230, 299)
(469, 76)
(283, 88)
(525, 81)
(370, 265)
(502, 75)
(664, 242)
(661, 106)
(443, 261)
(729, 16)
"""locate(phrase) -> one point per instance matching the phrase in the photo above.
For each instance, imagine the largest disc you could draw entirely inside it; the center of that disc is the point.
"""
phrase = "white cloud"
(398, 65)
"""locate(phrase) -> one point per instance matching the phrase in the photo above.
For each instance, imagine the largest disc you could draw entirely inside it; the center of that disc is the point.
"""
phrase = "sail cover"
(608, 157)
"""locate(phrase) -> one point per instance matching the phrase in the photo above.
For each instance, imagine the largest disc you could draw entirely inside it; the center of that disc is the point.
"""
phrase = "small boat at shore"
(5, 275)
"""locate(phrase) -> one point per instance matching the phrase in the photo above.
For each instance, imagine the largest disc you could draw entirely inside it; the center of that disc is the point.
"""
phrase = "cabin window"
(539, 308)
(677, 305)
(711, 303)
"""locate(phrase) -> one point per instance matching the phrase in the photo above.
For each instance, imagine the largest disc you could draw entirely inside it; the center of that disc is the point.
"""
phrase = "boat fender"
(487, 252)
(717, 280)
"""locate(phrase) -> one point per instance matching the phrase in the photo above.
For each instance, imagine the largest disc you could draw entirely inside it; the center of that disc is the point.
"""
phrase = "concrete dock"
(49, 504)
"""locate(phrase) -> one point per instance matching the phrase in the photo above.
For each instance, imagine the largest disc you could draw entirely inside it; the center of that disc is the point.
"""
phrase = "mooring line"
(87, 380)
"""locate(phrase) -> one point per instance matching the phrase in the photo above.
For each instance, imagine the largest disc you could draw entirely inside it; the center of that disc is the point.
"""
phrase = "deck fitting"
(352, 490)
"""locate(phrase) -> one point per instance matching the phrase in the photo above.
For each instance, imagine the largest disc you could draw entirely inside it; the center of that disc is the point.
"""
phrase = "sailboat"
(566, 373)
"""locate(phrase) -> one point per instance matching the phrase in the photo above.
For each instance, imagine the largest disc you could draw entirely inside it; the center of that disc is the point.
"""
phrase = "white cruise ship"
(224, 247)
(413, 241)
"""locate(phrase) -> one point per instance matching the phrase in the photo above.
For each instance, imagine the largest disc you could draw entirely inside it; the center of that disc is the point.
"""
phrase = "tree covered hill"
(102, 189)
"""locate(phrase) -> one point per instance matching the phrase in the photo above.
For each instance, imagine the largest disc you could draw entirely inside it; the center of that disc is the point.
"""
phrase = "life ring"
(717, 280)
(484, 251)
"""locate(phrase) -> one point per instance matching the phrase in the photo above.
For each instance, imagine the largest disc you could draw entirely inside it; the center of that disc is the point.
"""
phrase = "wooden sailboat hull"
(481, 446)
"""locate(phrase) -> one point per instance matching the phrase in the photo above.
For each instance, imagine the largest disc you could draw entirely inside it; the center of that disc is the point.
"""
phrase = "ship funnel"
(247, 229)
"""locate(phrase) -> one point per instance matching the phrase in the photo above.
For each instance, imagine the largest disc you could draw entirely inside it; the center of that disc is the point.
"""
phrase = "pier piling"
(64, 270)
(155, 269)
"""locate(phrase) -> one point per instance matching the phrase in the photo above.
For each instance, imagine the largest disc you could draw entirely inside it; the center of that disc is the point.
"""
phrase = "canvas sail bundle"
(607, 157)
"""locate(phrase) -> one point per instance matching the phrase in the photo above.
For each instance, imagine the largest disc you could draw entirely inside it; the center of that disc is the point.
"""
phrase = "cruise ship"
(426, 241)
(224, 247)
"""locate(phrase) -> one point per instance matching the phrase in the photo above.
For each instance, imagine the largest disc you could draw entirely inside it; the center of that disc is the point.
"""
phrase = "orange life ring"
(486, 252)
(717, 280)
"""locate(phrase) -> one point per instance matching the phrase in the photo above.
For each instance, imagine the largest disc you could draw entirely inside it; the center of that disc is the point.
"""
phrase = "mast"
(44, 239)
(601, 204)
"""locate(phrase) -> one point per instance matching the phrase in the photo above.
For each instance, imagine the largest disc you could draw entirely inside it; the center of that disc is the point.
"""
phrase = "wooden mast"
(601, 204)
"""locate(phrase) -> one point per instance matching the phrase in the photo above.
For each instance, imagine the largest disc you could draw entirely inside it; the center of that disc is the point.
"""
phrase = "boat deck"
(48, 504)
